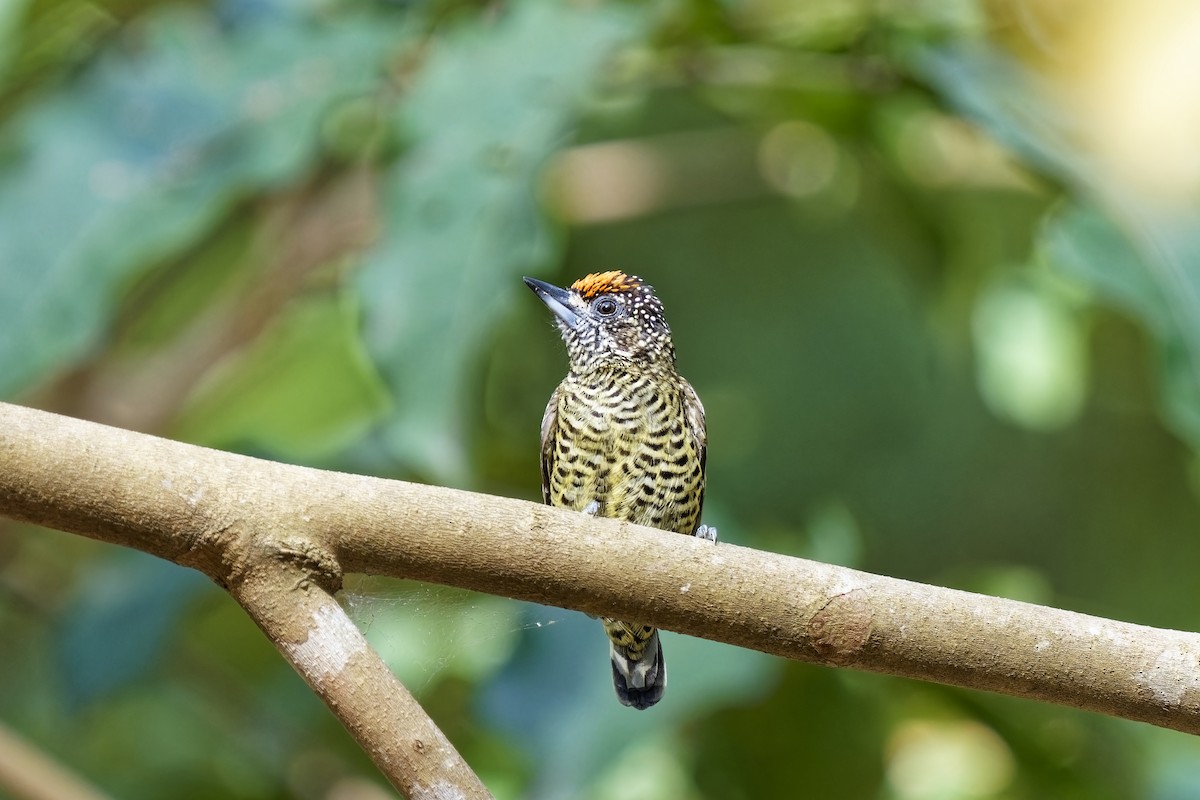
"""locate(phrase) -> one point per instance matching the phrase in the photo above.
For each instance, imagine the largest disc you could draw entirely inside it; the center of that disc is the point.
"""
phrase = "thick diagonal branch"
(178, 501)
(194, 507)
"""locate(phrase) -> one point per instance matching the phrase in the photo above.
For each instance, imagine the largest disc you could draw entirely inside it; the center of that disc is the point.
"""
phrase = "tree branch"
(237, 518)
(28, 773)
(321, 642)
(196, 507)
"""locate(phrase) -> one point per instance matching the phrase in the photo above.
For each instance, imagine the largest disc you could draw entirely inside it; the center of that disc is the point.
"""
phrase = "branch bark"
(279, 538)
(221, 515)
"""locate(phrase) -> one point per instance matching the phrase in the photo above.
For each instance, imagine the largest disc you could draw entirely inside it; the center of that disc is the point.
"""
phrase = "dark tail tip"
(642, 697)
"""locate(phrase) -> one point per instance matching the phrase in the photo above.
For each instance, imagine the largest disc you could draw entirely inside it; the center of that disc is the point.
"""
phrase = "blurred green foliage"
(937, 335)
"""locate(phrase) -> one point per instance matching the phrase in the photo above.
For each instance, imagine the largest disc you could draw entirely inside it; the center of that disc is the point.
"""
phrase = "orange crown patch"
(605, 282)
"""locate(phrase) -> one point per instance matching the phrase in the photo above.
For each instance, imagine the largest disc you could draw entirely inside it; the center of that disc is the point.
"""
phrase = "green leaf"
(1153, 287)
(305, 389)
(491, 104)
(1019, 108)
(1132, 251)
(136, 159)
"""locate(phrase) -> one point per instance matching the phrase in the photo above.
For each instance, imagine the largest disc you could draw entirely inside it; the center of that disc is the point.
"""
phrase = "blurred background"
(933, 267)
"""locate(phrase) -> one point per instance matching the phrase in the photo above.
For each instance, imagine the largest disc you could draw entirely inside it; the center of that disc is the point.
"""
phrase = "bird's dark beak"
(556, 299)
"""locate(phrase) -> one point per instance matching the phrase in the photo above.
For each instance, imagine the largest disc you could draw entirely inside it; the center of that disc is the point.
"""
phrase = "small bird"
(623, 437)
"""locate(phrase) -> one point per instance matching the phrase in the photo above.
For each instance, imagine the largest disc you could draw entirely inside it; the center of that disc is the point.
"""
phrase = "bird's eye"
(606, 307)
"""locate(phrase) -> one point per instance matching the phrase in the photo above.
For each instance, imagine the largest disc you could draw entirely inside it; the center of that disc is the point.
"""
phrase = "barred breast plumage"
(626, 443)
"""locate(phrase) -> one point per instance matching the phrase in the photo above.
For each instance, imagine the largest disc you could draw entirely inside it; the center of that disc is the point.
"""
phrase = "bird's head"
(607, 318)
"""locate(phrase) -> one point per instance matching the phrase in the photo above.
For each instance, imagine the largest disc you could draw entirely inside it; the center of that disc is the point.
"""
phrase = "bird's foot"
(706, 532)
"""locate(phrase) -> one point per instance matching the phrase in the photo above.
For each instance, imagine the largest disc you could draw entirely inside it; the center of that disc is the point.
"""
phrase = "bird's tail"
(639, 674)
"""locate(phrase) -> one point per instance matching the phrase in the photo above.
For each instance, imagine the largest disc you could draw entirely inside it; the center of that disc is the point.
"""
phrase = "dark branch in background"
(28, 773)
(300, 232)
(279, 538)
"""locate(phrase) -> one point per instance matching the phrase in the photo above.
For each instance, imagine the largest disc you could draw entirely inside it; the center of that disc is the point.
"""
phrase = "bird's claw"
(592, 509)
(706, 532)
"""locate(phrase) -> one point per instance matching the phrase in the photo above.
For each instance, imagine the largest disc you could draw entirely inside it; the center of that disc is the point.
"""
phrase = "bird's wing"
(694, 410)
(549, 423)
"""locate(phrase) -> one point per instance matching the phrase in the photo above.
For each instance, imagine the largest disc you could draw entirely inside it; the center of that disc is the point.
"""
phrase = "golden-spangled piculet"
(623, 437)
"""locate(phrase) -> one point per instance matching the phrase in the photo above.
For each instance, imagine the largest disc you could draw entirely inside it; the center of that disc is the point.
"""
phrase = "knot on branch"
(317, 564)
(207, 550)
(841, 628)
